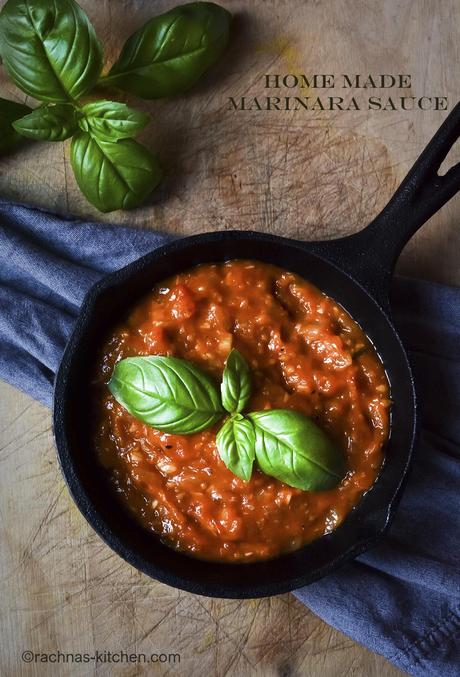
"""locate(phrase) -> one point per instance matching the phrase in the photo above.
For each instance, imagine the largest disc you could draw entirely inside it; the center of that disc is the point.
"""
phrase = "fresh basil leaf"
(112, 121)
(290, 447)
(54, 122)
(236, 383)
(113, 175)
(236, 446)
(171, 51)
(49, 49)
(10, 111)
(167, 393)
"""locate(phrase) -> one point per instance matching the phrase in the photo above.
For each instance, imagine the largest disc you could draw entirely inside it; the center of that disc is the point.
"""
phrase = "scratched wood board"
(305, 174)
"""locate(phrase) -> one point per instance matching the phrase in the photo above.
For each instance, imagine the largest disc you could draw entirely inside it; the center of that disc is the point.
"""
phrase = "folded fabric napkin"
(401, 599)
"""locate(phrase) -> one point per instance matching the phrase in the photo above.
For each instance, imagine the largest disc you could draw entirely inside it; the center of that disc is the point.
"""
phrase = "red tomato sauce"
(305, 352)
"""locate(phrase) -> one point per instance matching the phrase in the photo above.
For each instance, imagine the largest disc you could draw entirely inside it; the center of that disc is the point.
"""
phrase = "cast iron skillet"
(356, 271)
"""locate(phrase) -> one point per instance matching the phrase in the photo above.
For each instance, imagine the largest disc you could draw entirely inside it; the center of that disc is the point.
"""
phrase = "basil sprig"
(50, 50)
(175, 396)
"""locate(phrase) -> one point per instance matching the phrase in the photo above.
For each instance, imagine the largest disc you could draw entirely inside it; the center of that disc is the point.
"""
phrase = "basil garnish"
(167, 393)
(54, 122)
(10, 111)
(112, 121)
(171, 51)
(236, 446)
(175, 396)
(49, 49)
(290, 447)
(113, 175)
(236, 383)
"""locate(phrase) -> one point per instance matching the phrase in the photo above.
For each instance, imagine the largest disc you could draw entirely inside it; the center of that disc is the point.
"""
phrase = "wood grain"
(303, 174)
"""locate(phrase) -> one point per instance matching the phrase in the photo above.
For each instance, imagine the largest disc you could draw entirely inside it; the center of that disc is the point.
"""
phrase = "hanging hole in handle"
(431, 182)
(452, 158)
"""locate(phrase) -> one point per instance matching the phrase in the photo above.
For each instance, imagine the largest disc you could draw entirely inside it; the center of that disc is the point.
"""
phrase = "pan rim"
(83, 499)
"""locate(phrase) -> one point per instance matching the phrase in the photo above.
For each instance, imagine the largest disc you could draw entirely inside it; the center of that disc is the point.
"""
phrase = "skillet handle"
(422, 193)
(371, 254)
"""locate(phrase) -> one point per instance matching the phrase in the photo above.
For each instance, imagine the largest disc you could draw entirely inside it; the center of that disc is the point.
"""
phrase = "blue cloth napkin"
(401, 599)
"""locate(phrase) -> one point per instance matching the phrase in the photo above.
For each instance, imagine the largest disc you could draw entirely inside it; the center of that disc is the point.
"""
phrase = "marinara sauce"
(305, 352)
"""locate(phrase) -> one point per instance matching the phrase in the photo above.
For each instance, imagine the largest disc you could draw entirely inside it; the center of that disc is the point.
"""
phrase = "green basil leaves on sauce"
(50, 49)
(171, 52)
(236, 446)
(54, 122)
(236, 383)
(292, 448)
(167, 393)
(175, 396)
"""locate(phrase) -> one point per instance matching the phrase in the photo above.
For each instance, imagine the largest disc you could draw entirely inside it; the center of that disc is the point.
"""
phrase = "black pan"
(356, 271)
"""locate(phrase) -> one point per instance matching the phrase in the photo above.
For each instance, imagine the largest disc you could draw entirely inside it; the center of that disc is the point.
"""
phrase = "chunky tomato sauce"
(306, 353)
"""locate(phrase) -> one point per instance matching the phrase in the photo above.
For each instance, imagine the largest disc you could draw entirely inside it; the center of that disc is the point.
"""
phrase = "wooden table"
(307, 174)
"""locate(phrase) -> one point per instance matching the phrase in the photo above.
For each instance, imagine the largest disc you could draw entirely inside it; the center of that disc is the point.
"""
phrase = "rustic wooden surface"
(303, 174)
